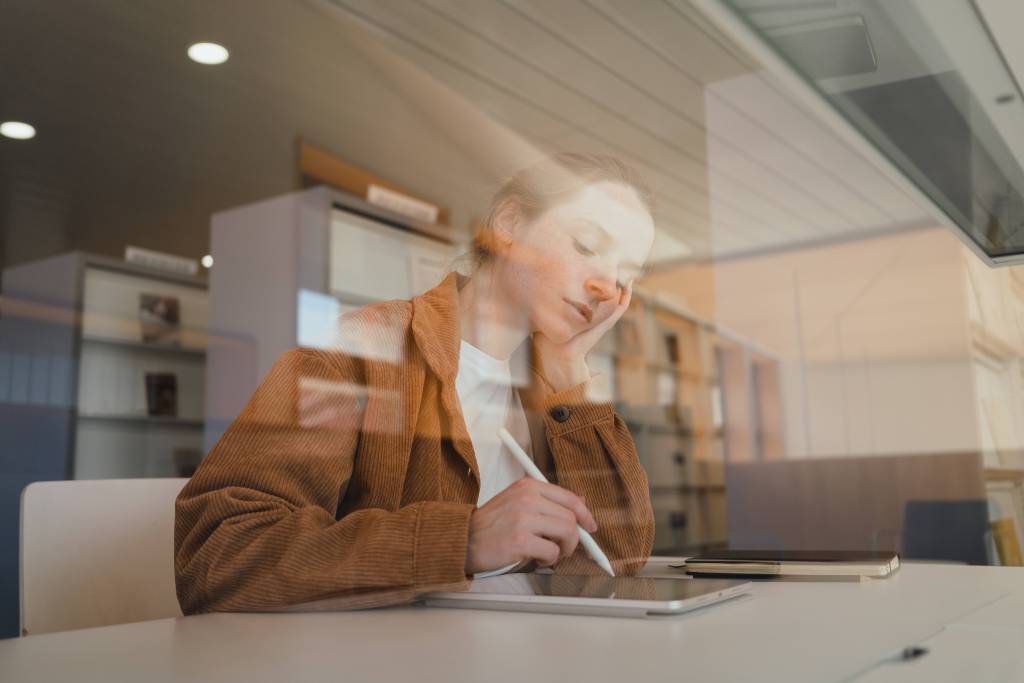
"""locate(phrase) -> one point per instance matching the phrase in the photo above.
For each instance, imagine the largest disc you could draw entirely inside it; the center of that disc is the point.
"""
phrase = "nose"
(601, 289)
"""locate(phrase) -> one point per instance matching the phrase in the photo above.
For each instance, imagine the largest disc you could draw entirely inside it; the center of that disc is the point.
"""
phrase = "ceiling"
(1003, 18)
(137, 145)
(738, 166)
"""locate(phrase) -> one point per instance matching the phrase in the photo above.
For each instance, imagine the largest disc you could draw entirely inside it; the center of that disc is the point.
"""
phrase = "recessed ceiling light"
(208, 53)
(207, 261)
(17, 130)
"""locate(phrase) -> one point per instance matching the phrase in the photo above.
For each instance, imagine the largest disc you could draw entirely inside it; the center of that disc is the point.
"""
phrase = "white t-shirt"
(489, 402)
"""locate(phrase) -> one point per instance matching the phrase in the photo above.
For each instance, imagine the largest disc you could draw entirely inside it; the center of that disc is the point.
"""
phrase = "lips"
(583, 309)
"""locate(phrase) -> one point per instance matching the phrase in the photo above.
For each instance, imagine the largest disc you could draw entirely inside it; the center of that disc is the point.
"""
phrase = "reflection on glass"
(801, 322)
(925, 82)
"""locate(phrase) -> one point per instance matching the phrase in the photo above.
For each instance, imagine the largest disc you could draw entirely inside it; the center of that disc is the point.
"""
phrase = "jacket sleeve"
(594, 457)
(256, 526)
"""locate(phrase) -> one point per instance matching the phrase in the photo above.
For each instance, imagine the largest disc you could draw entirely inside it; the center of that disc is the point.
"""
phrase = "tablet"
(596, 595)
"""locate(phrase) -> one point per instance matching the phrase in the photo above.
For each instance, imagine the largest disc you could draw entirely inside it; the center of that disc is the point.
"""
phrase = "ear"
(507, 219)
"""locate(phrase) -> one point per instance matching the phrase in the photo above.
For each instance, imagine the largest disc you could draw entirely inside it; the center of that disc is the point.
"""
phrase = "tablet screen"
(619, 587)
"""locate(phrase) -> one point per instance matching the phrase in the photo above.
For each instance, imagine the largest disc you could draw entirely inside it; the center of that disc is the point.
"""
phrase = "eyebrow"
(594, 224)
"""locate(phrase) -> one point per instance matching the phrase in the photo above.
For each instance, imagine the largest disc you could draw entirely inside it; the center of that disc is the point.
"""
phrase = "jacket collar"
(435, 326)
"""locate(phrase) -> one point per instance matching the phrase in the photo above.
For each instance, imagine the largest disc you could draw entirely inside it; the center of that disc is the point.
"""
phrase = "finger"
(627, 295)
(545, 552)
(550, 508)
(535, 503)
(621, 306)
(602, 328)
(570, 500)
(564, 533)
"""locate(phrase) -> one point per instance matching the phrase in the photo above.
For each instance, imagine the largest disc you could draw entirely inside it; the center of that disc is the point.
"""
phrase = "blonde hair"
(551, 181)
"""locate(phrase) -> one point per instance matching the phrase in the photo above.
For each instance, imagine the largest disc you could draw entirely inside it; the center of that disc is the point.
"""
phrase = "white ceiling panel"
(786, 121)
(735, 163)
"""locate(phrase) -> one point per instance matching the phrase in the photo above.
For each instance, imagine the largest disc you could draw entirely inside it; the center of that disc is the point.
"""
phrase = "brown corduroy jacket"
(351, 473)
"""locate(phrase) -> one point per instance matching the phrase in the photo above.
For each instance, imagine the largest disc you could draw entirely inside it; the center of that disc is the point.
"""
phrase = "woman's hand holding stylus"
(529, 520)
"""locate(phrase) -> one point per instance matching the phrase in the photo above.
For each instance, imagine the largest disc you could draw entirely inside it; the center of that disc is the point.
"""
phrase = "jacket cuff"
(442, 538)
(580, 406)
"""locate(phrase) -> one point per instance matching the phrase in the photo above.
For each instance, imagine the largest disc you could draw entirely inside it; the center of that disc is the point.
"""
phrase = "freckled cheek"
(540, 269)
(542, 295)
(554, 280)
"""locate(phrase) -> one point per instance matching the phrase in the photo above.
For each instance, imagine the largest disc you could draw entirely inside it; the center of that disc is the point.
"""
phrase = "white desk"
(971, 619)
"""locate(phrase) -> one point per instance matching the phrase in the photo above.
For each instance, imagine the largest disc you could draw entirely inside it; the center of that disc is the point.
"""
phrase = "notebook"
(811, 563)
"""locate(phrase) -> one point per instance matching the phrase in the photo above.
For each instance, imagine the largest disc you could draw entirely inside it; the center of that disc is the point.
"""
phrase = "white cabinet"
(288, 267)
(372, 261)
(113, 397)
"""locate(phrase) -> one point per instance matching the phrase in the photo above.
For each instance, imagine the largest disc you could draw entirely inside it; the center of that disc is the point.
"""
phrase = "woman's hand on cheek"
(564, 364)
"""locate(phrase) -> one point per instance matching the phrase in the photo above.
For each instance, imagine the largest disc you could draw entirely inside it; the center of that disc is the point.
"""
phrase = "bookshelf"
(80, 330)
(693, 396)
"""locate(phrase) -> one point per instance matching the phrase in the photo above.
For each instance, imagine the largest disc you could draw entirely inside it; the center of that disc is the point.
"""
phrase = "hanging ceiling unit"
(920, 86)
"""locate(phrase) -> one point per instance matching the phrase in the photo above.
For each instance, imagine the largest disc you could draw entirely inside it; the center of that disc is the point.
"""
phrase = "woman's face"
(568, 267)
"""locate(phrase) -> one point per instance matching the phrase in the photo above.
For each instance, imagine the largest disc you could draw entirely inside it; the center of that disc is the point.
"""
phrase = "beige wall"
(872, 338)
(873, 342)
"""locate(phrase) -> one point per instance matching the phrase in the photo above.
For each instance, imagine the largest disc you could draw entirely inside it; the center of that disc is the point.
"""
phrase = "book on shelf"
(667, 389)
(1006, 512)
(628, 340)
(1004, 533)
(159, 319)
(672, 348)
(161, 394)
(186, 460)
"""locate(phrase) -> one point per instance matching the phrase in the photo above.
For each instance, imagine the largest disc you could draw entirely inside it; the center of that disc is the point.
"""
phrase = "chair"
(851, 503)
(947, 530)
(97, 552)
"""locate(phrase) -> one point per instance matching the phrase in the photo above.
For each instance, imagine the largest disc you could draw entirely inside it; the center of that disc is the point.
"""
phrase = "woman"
(375, 466)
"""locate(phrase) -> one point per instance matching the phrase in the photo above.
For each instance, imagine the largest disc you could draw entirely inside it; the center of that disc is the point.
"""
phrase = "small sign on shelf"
(402, 203)
(160, 260)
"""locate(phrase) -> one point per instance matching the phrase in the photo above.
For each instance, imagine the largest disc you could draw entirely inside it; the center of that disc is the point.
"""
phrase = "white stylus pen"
(532, 472)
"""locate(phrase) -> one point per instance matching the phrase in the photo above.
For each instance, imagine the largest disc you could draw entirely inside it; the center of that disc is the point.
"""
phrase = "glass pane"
(925, 82)
(260, 279)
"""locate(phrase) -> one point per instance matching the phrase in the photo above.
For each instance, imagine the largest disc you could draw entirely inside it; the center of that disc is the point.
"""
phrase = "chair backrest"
(841, 503)
(947, 530)
(97, 552)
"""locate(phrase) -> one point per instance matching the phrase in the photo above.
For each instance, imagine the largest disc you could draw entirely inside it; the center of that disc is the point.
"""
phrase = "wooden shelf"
(141, 346)
(678, 370)
(147, 420)
(688, 488)
(662, 367)
(1003, 474)
(658, 427)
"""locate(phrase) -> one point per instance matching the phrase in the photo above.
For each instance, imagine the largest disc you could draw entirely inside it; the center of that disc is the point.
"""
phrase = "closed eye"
(581, 248)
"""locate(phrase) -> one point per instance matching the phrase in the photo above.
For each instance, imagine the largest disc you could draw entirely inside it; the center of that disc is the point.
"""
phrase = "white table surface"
(970, 618)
